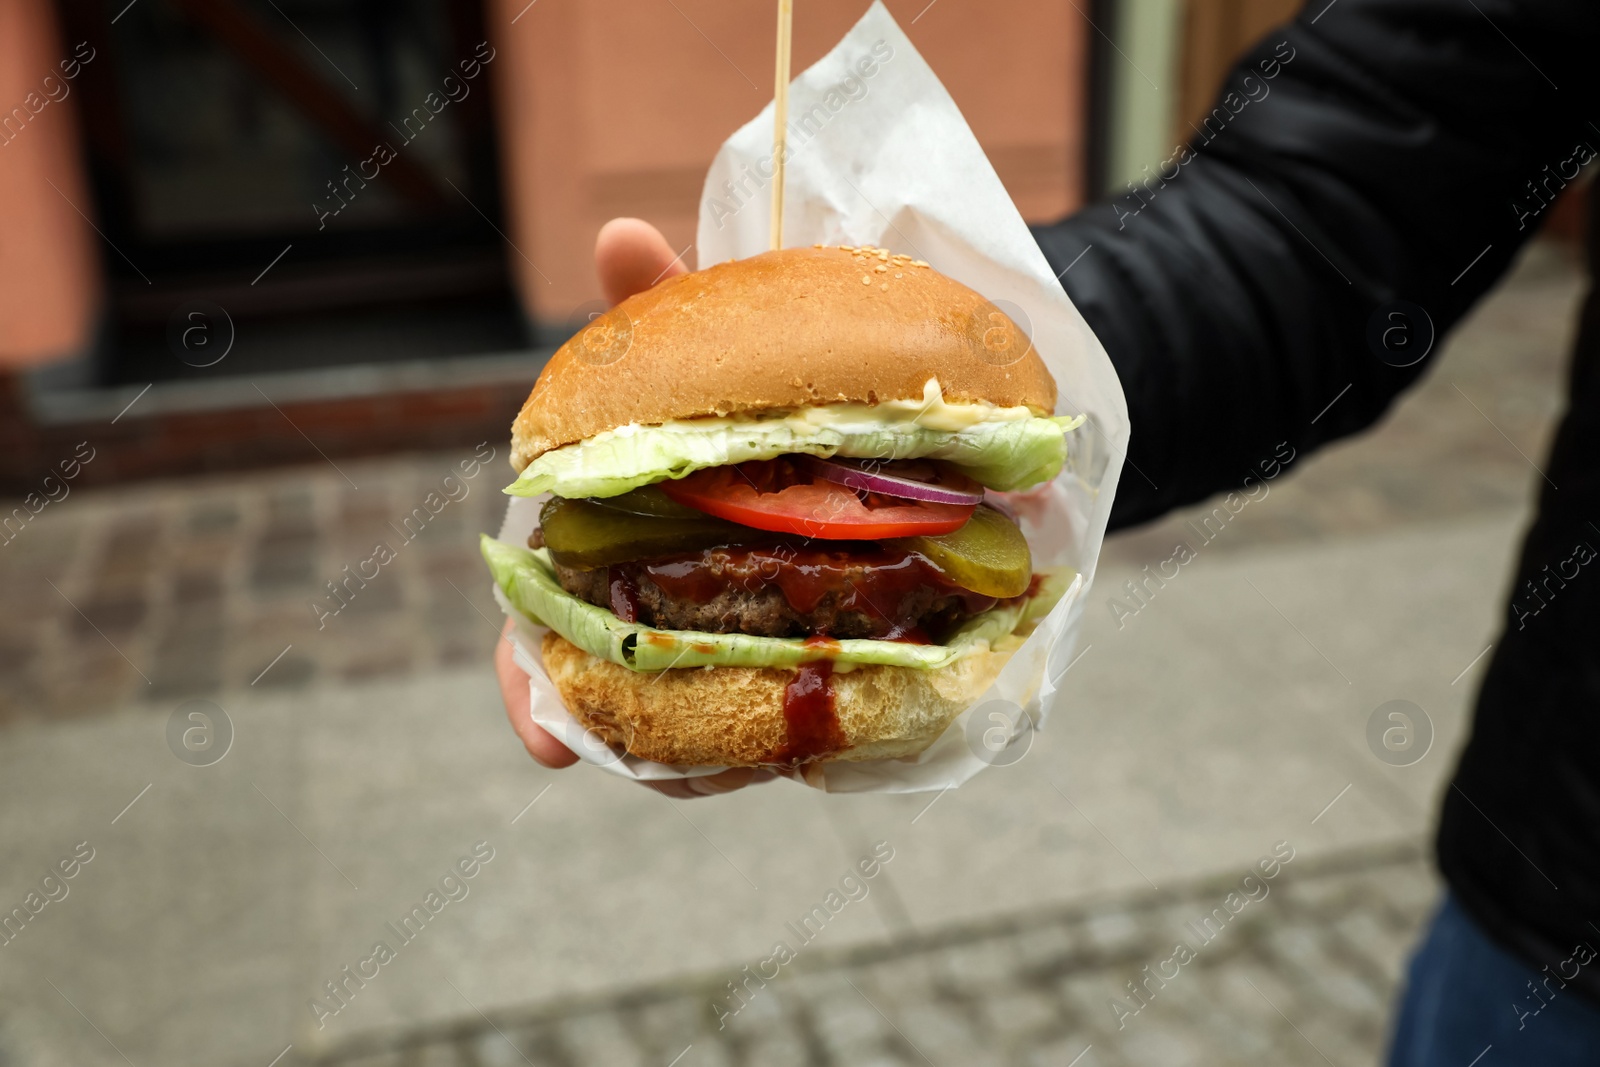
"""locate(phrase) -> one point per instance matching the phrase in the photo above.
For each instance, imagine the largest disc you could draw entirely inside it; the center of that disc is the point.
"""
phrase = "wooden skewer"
(780, 117)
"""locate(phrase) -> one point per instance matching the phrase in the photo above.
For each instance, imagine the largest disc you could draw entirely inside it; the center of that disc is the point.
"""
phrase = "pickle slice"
(648, 500)
(988, 555)
(587, 534)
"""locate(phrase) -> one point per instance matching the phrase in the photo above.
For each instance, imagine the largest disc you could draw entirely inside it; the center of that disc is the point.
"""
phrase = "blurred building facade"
(273, 228)
(242, 232)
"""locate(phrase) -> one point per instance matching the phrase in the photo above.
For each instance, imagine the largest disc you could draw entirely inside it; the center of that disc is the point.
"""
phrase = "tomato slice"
(775, 495)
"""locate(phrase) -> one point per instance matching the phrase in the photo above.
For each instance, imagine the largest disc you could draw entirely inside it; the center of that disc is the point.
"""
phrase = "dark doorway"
(312, 181)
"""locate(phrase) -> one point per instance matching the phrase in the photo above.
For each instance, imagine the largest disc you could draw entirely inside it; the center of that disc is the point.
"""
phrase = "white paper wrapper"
(880, 155)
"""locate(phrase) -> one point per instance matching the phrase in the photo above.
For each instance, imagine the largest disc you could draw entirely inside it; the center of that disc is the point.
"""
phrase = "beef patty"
(862, 591)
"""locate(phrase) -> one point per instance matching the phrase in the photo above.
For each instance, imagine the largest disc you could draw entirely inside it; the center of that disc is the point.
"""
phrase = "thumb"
(630, 256)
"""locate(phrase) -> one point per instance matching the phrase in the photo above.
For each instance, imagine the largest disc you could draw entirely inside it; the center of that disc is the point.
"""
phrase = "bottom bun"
(734, 716)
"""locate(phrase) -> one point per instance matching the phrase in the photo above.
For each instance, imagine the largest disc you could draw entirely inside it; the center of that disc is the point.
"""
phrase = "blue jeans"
(1465, 994)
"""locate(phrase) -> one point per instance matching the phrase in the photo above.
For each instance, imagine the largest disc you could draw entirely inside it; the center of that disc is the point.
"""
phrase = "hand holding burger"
(771, 536)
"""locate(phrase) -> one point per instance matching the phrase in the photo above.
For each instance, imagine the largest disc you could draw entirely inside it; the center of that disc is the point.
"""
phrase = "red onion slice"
(953, 490)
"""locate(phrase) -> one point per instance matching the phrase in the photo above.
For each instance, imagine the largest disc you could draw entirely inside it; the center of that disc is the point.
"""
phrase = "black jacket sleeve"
(1371, 152)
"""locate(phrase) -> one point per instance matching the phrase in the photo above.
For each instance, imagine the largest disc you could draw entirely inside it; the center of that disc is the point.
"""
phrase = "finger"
(712, 784)
(514, 691)
(631, 256)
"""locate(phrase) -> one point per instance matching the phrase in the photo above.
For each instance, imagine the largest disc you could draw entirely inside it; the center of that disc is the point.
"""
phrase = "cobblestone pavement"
(1305, 975)
(170, 590)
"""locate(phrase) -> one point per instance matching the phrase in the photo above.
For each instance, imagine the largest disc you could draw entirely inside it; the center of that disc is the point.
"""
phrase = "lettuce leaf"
(1004, 454)
(529, 582)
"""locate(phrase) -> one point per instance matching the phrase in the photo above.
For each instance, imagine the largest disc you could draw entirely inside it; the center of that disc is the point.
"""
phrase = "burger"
(777, 525)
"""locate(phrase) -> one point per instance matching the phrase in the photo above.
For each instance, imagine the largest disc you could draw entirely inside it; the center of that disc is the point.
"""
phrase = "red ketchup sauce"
(624, 594)
(807, 575)
(810, 718)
